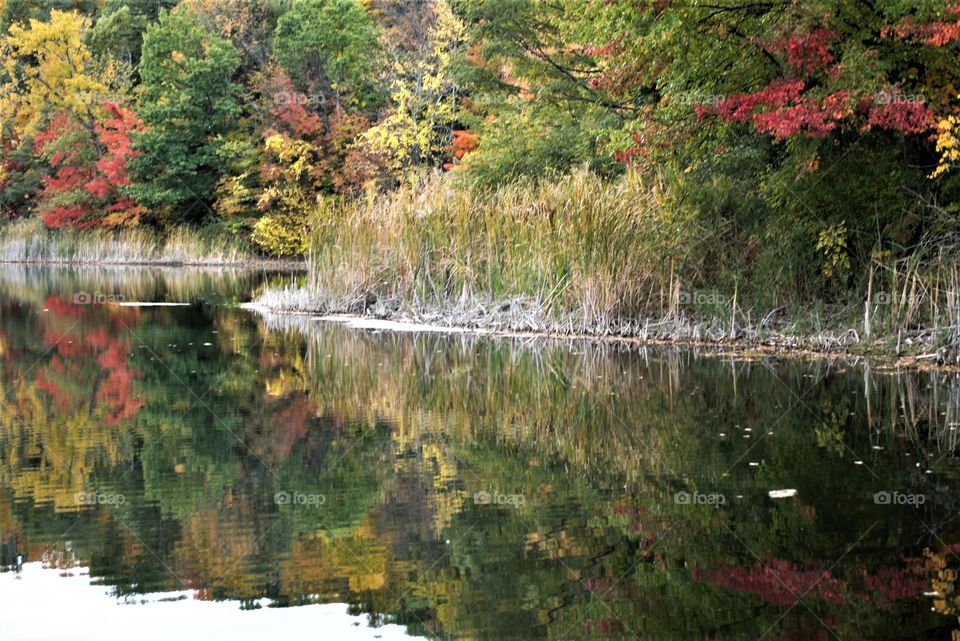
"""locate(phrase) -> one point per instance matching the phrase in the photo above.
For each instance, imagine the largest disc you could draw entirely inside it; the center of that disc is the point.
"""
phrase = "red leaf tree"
(88, 170)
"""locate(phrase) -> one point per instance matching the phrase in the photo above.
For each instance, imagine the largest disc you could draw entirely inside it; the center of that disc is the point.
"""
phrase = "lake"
(191, 469)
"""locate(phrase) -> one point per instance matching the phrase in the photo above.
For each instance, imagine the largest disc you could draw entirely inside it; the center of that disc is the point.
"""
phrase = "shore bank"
(743, 342)
(629, 258)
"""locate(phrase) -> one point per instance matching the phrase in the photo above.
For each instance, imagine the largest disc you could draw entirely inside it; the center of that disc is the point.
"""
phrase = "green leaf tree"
(423, 96)
(189, 104)
(331, 48)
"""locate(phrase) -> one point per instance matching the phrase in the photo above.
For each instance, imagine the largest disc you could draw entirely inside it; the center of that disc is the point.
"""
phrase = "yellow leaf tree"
(50, 70)
(423, 97)
(948, 146)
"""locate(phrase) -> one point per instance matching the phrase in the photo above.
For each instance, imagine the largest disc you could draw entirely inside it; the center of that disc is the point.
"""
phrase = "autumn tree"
(22, 11)
(423, 96)
(304, 156)
(247, 24)
(188, 102)
(83, 189)
(49, 69)
(526, 78)
(820, 115)
(331, 49)
(119, 35)
(57, 101)
(21, 173)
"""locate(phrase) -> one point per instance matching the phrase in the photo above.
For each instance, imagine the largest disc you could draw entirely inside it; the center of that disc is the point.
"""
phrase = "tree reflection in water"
(471, 487)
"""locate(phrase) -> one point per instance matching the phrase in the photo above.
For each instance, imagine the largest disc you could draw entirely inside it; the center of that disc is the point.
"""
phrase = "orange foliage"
(463, 143)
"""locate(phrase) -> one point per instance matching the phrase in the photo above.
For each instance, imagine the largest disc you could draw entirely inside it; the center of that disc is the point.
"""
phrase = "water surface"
(198, 466)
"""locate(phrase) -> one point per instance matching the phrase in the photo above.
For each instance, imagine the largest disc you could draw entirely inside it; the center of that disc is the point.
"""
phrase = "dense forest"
(616, 159)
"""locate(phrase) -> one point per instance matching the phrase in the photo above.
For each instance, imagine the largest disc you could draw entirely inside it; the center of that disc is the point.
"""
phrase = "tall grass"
(28, 241)
(914, 299)
(627, 257)
(582, 254)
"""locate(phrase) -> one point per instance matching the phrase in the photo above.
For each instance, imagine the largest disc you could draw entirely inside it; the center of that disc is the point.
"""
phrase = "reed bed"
(586, 256)
(912, 301)
(601, 250)
(581, 255)
(28, 241)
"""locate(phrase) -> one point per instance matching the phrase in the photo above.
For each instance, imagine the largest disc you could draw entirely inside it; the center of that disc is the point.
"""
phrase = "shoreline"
(775, 346)
(30, 242)
(746, 344)
(269, 264)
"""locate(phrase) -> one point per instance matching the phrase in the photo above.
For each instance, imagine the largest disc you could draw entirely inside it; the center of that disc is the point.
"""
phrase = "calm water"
(196, 472)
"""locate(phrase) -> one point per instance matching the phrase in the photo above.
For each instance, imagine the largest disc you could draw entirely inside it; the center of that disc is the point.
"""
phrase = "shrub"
(525, 144)
(281, 235)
